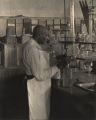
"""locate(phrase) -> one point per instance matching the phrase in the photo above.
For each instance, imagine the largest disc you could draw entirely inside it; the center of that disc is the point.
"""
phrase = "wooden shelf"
(86, 58)
(71, 42)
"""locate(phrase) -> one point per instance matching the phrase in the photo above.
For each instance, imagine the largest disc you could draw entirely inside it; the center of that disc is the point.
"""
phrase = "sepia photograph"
(47, 59)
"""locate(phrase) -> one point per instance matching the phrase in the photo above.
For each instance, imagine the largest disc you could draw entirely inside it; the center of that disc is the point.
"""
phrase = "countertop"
(77, 77)
(73, 102)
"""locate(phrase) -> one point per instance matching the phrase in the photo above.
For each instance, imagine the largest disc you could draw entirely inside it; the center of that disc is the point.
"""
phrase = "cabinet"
(72, 104)
(10, 55)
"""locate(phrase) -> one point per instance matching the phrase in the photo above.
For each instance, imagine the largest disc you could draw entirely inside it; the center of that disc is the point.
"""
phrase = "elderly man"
(39, 73)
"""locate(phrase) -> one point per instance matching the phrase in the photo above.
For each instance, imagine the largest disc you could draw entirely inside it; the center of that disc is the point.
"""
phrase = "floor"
(13, 100)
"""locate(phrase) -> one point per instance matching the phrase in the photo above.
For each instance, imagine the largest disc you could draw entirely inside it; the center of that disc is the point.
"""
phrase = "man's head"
(41, 34)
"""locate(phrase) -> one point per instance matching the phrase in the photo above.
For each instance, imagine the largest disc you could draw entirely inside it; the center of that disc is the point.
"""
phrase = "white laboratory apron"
(39, 94)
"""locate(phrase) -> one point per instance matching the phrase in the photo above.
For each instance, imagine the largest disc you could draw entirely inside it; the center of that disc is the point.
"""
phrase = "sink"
(91, 87)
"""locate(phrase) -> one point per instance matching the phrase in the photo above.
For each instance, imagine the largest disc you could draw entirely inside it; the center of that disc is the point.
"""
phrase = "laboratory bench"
(72, 102)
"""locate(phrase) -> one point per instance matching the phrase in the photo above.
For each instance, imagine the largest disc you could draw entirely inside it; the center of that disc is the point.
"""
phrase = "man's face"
(49, 40)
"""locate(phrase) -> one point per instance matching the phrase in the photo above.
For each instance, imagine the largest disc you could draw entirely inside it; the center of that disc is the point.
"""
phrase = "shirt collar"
(34, 43)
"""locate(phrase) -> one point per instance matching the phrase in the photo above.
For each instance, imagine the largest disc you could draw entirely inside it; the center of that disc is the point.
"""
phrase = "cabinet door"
(10, 57)
(19, 27)
(3, 26)
(11, 27)
(1, 55)
(27, 25)
(19, 55)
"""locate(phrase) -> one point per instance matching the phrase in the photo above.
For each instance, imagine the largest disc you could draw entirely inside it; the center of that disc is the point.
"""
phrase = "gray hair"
(40, 34)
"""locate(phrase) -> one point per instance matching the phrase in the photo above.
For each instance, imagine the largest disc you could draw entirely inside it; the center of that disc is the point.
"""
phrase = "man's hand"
(63, 61)
(57, 75)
